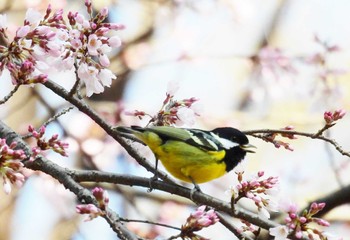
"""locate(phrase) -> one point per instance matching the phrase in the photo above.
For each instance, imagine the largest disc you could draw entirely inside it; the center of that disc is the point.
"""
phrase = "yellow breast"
(184, 161)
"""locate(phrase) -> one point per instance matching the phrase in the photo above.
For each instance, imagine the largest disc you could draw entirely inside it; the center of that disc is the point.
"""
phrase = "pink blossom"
(173, 87)
(75, 34)
(54, 49)
(76, 43)
(104, 12)
(94, 44)
(299, 234)
(79, 18)
(43, 30)
(104, 60)
(90, 209)
(64, 64)
(33, 16)
(339, 114)
(186, 116)
(105, 49)
(22, 31)
(11, 165)
(106, 76)
(114, 42)
(201, 218)
(89, 75)
(62, 34)
(101, 196)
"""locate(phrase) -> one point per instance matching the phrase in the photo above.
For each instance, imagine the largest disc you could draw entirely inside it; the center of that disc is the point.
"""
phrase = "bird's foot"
(195, 189)
(151, 181)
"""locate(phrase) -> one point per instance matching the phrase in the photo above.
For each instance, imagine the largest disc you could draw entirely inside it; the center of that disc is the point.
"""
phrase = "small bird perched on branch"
(193, 155)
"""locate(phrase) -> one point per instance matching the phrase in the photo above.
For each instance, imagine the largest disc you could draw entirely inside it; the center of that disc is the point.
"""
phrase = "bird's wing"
(194, 137)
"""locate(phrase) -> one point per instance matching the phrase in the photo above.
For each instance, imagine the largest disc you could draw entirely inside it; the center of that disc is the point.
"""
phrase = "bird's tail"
(133, 133)
(129, 130)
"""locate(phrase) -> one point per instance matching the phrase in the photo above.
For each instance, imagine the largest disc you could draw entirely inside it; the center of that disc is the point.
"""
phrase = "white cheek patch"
(227, 144)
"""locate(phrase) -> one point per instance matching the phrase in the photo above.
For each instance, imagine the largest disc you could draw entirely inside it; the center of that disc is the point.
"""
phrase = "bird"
(193, 155)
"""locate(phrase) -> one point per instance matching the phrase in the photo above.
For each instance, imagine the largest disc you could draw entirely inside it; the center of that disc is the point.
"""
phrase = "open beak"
(248, 148)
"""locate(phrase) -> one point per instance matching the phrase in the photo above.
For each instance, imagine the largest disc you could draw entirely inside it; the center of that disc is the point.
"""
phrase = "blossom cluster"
(271, 137)
(320, 60)
(172, 112)
(42, 144)
(272, 61)
(11, 165)
(49, 42)
(198, 220)
(256, 189)
(300, 225)
(330, 117)
(94, 211)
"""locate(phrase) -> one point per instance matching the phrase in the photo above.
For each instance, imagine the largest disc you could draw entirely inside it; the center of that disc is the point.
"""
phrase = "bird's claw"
(151, 180)
(195, 189)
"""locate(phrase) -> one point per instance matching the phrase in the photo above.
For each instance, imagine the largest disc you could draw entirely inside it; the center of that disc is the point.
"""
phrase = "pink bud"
(30, 128)
(104, 12)
(42, 130)
(321, 222)
(299, 234)
(314, 206)
(289, 127)
(328, 117)
(302, 219)
(114, 42)
(321, 205)
(339, 114)
(104, 60)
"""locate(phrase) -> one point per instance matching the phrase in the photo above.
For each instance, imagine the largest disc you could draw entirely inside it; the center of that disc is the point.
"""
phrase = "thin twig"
(149, 222)
(332, 161)
(10, 94)
(53, 118)
(256, 133)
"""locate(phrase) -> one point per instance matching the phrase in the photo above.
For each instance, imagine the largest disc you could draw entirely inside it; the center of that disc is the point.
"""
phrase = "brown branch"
(333, 200)
(10, 94)
(83, 107)
(198, 197)
(62, 175)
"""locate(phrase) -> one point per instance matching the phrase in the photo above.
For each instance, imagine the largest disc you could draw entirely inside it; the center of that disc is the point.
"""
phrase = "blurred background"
(252, 64)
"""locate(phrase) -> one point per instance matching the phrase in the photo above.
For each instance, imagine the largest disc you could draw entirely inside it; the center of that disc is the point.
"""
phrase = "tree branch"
(334, 199)
(198, 197)
(83, 107)
(62, 175)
